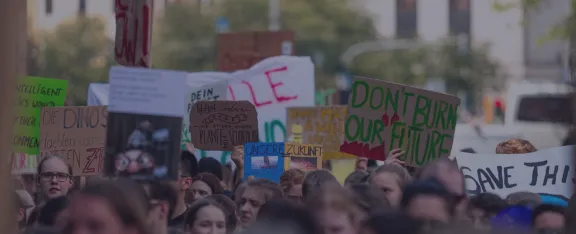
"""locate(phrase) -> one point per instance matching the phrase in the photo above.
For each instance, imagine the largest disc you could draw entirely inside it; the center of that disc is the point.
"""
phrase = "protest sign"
(133, 32)
(306, 157)
(546, 172)
(33, 94)
(221, 125)
(76, 133)
(264, 160)
(238, 51)
(144, 123)
(210, 92)
(318, 125)
(24, 163)
(383, 116)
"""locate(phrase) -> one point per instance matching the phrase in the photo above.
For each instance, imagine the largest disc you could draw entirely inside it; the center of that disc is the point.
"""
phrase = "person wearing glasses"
(54, 177)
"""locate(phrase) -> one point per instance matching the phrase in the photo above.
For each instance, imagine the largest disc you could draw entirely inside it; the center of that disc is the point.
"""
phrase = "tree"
(79, 51)
(325, 27)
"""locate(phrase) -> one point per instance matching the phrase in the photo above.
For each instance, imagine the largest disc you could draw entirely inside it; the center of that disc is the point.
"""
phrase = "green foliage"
(78, 51)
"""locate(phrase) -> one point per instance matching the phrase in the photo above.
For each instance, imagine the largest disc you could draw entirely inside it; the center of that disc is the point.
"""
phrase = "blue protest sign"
(264, 160)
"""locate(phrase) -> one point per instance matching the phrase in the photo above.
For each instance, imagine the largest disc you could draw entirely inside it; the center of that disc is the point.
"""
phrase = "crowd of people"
(210, 198)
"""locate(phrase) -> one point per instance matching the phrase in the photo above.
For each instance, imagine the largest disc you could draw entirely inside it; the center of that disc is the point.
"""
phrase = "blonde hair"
(335, 196)
(515, 146)
(403, 174)
(290, 178)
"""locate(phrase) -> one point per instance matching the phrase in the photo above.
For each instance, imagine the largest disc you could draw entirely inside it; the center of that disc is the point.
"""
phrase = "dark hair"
(211, 180)
(316, 179)
(392, 223)
(126, 198)
(210, 165)
(285, 212)
(192, 214)
(291, 177)
(229, 206)
(369, 198)
(41, 230)
(44, 159)
(427, 187)
(49, 212)
(189, 164)
(356, 177)
(488, 202)
(544, 208)
(271, 189)
(163, 191)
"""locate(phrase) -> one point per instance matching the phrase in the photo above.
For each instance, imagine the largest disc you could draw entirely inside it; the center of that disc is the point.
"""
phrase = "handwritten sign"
(212, 92)
(546, 172)
(318, 125)
(133, 32)
(221, 125)
(24, 163)
(302, 156)
(78, 134)
(33, 94)
(264, 160)
(238, 51)
(383, 116)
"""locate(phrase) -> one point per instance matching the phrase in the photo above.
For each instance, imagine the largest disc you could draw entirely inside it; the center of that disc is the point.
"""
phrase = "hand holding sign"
(238, 156)
(393, 157)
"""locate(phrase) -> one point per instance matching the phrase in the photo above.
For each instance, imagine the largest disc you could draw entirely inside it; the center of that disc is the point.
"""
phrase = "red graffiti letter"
(279, 99)
(253, 94)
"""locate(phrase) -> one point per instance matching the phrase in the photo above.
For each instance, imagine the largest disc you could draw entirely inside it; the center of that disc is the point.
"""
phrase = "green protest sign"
(33, 93)
(383, 116)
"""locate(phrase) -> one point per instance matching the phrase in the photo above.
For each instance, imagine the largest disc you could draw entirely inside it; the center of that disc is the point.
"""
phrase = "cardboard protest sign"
(144, 123)
(133, 32)
(212, 92)
(76, 133)
(33, 94)
(24, 163)
(383, 116)
(306, 157)
(318, 125)
(546, 172)
(238, 51)
(221, 125)
(264, 160)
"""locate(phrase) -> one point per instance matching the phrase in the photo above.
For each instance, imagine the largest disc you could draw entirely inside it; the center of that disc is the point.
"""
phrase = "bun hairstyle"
(515, 146)
(46, 158)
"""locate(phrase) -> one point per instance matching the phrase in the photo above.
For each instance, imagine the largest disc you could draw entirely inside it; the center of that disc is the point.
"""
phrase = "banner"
(383, 116)
(33, 94)
(546, 172)
(76, 133)
(264, 160)
(306, 157)
(24, 163)
(318, 125)
(222, 125)
(133, 39)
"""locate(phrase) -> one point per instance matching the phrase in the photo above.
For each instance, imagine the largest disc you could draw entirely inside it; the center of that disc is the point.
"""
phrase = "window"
(460, 5)
(406, 5)
(545, 108)
(49, 7)
(406, 19)
(82, 7)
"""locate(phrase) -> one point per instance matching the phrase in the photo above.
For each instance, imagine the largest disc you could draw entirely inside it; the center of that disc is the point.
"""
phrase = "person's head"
(527, 199)
(206, 216)
(163, 197)
(361, 164)
(210, 165)
(334, 209)
(204, 184)
(315, 180)
(230, 207)
(18, 209)
(283, 213)
(188, 169)
(291, 183)
(54, 177)
(41, 230)
(109, 207)
(27, 201)
(448, 174)
(515, 146)
(391, 223)
(390, 178)
(483, 207)
(54, 213)
(428, 200)
(255, 194)
(549, 217)
(369, 199)
(356, 177)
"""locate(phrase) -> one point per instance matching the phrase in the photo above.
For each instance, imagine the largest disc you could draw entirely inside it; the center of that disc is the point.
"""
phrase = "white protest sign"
(546, 172)
(271, 85)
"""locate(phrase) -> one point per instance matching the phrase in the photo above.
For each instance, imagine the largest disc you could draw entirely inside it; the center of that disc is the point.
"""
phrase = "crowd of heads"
(210, 198)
